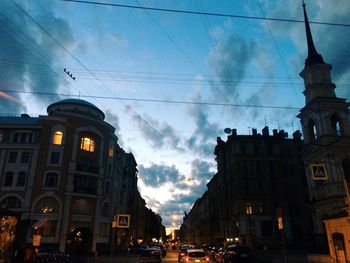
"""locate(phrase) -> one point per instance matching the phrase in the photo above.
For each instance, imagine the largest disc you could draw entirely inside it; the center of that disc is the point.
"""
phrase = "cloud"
(113, 119)
(29, 53)
(156, 175)
(229, 59)
(159, 134)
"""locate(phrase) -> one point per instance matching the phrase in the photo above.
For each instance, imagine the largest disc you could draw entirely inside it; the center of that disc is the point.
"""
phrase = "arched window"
(57, 137)
(87, 144)
(11, 202)
(81, 207)
(8, 180)
(21, 179)
(47, 205)
(336, 125)
(51, 179)
(312, 130)
(105, 210)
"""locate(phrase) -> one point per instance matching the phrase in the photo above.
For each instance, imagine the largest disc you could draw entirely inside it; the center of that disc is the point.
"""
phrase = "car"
(196, 255)
(182, 252)
(238, 253)
(151, 255)
(161, 247)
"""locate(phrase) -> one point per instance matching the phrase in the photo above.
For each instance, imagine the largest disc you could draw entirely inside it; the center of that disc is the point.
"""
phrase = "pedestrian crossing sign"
(319, 172)
(123, 221)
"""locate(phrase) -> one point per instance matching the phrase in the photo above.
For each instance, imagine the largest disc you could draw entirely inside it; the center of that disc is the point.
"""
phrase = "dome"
(69, 105)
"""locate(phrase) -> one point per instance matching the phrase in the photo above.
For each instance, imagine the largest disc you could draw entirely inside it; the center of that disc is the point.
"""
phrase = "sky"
(170, 82)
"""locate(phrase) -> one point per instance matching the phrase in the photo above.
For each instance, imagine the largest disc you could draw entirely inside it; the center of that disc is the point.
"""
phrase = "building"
(325, 122)
(67, 176)
(260, 178)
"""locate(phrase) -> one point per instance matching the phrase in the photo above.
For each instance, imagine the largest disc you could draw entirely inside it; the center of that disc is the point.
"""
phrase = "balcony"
(85, 190)
(87, 169)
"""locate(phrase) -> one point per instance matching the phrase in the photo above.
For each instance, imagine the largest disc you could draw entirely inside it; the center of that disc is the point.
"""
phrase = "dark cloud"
(203, 139)
(229, 60)
(158, 134)
(113, 119)
(156, 175)
(29, 53)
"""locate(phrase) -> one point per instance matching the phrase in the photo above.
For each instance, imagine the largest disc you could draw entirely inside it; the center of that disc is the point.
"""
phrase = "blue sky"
(150, 70)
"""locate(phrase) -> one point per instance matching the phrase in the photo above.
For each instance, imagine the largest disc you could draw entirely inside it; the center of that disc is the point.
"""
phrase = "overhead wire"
(203, 13)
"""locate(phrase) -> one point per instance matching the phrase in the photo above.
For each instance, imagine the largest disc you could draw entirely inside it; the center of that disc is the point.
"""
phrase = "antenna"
(228, 130)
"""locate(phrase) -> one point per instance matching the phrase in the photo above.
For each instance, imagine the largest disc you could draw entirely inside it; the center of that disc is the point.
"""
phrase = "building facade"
(260, 177)
(68, 177)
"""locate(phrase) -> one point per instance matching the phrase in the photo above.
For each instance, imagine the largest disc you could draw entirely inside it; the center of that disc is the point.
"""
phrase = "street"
(126, 258)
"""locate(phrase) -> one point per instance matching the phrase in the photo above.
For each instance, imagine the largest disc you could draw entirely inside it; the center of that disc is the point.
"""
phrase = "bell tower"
(325, 122)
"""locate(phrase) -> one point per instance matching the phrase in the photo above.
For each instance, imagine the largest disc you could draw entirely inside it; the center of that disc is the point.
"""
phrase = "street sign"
(123, 221)
(319, 171)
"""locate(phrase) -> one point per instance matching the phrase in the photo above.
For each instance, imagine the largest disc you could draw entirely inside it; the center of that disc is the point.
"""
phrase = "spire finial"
(313, 57)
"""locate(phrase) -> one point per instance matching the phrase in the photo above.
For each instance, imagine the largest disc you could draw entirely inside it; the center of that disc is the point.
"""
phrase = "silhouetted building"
(326, 128)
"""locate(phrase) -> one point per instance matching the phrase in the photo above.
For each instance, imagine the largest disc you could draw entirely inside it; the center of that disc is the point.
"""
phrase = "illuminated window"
(110, 151)
(47, 205)
(248, 209)
(57, 138)
(87, 144)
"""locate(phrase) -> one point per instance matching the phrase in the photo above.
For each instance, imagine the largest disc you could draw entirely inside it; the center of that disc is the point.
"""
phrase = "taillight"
(207, 258)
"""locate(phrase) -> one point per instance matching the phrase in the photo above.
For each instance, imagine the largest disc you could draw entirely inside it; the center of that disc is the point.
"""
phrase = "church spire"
(313, 57)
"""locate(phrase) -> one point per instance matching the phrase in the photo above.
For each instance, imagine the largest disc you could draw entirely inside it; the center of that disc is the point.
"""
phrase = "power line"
(203, 13)
(156, 100)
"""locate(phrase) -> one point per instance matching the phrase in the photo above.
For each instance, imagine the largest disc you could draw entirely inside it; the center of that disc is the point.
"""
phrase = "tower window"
(336, 125)
(87, 144)
(57, 137)
(312, 130)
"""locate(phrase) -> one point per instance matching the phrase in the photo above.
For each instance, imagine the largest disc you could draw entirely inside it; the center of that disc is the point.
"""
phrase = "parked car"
(196, 255)
(217, 253)
(161, 247)
(238, 253)
(151, 255)
(182, 252)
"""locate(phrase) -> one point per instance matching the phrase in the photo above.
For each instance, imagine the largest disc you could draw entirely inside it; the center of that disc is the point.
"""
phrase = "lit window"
(87, 144)
(47, 205)
(248, 209)
(110, 151)
(57, 138)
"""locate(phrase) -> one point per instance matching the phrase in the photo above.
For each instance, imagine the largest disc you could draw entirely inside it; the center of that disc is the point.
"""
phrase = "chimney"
(234, 132)
(265, 131)
(255, 132)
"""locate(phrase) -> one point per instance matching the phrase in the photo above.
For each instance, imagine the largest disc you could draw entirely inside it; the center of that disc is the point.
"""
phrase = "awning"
(40, 223)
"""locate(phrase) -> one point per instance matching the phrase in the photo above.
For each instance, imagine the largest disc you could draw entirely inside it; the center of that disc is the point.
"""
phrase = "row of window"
(49, 205)
(86, 143)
